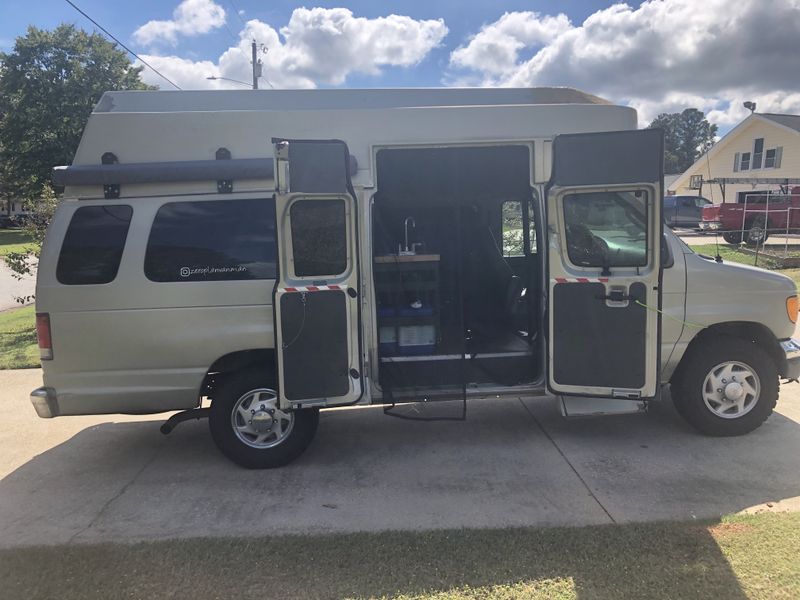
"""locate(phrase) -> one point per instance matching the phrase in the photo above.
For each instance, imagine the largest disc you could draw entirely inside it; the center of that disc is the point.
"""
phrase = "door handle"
(615, 296)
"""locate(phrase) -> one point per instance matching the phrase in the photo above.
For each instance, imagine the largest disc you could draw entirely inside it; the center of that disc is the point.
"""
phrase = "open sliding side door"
(317, 319)
(604, 230)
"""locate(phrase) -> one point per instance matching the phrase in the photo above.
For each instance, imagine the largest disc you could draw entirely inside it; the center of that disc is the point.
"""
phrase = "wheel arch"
(750, 331)
(235, 362)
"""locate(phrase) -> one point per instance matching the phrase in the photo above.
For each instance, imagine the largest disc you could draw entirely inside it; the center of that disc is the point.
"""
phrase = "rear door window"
(93, 245)
(215, 240)
(606, 229)
(319, 237)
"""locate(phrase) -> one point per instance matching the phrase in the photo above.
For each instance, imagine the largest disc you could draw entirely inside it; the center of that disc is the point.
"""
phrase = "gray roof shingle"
(791, 121)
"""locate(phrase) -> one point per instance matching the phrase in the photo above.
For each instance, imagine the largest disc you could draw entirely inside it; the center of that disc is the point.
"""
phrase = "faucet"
(405, 226)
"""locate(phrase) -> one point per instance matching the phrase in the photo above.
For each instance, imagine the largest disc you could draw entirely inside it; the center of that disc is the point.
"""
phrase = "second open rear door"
(604, 229)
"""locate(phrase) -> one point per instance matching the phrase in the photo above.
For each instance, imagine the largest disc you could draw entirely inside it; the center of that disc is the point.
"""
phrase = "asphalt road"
(513, 462)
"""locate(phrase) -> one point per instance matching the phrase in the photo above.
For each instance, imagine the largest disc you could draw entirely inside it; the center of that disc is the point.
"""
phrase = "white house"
(760, 153)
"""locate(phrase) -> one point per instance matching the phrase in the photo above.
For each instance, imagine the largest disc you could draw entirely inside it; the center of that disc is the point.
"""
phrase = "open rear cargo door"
(316, 297)
(604, 228)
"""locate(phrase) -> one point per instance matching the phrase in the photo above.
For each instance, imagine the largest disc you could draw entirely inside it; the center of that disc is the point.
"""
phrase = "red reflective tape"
(583, 280)
(289, 289)
(603, 280)
(334, 287)
(561, 280)
(312, 288)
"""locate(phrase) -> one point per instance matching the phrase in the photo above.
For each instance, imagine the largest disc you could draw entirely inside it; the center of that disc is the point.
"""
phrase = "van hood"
(708, 275)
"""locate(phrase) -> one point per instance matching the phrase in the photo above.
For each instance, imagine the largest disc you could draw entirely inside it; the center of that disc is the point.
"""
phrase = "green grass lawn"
(740, 557)
(18, 347)
(13, 240)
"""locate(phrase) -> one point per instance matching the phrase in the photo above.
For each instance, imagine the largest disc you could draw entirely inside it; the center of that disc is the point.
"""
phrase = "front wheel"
(728, 387)
(250, 428)
(732, 237)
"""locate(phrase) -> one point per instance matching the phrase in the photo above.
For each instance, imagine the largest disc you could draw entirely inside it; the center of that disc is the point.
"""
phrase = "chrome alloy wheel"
(731, 390)
(258, 422)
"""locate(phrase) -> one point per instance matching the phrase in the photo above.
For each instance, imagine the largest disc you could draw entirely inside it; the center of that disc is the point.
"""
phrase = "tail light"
(43, 335)
(710, 213)
(791, 308)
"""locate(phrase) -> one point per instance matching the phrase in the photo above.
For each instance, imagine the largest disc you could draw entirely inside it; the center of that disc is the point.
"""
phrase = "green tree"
(687, 136)
(49, 84)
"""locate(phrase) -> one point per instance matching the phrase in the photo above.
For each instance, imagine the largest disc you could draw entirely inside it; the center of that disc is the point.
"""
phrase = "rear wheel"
(727, 387)
(250, 428)
(757, 234)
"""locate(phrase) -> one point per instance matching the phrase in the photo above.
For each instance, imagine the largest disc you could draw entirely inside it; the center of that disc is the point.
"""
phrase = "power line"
(236, 10)
(136, 56)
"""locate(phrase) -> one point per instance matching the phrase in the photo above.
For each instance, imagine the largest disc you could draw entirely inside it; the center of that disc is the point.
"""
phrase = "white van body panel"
(138, 346)
(135, 345)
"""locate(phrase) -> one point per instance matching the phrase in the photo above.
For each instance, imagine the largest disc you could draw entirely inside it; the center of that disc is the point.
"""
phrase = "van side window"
(513, 240)
(319, 237)
(93, 245)
(215, 240)
(606, 229)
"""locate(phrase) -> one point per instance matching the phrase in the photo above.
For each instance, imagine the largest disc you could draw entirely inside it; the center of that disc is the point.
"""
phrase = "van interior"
(457, 275)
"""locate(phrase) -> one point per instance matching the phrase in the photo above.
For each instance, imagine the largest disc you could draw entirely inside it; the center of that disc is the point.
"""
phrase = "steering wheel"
(584, 247)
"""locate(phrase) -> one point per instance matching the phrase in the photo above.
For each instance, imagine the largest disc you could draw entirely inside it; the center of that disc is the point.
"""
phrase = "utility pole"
(256, 65)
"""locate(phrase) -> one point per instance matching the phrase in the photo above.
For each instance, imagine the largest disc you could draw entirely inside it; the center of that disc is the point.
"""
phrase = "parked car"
(684, 211)
(754, 216)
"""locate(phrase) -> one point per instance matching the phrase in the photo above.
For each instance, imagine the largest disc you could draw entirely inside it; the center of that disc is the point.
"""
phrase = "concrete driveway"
(12, 288)
(513, 462)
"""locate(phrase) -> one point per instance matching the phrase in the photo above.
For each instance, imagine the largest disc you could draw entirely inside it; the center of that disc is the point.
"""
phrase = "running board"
(582, 406)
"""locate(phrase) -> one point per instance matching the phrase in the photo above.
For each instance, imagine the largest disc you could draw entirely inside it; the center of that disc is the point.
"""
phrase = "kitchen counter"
(408, 258)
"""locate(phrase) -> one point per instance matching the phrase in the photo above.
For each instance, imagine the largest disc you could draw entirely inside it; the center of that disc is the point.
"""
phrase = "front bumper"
(45, 402)
(792, 350)
(710, 225)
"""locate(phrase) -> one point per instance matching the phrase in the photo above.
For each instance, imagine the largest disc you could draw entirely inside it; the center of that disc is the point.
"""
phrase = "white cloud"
(495, 49)
(190, 18)
(664, 55)
(317, 46)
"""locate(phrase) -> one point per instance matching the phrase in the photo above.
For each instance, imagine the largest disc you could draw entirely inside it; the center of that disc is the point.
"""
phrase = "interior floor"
(455, 267)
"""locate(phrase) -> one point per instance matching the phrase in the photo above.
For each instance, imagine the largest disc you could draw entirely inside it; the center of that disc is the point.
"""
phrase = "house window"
(744, 164)
(758, 152)
(772, 158)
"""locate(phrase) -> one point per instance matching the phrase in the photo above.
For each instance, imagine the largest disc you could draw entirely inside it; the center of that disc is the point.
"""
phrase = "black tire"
(732, 237)
(689, 380)
(226, 397)
(757, 233)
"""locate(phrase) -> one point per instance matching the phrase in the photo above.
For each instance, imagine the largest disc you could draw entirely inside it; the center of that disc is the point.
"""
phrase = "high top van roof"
(168, 142)
(335, 99)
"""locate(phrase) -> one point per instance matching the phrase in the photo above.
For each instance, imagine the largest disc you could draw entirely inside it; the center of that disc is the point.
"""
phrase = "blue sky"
(658, 55)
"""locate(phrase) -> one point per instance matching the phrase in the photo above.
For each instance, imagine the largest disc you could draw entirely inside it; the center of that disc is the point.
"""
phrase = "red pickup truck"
(754, 217)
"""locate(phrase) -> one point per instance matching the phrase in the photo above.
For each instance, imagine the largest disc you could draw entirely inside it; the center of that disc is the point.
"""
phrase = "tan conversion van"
(278, 252)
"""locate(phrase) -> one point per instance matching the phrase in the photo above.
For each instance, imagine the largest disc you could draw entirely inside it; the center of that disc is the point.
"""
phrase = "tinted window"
(606, 229)
(319, 237)
(669, 201)
(218, 240)
(93, 245)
